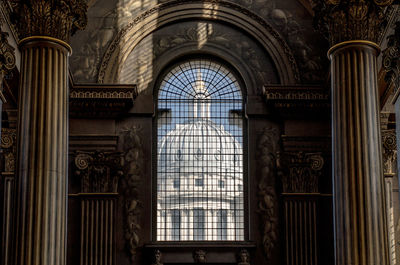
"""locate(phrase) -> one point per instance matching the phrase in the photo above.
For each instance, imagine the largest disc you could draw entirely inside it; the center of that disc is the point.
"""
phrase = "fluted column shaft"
(42, 152)
(359, 206)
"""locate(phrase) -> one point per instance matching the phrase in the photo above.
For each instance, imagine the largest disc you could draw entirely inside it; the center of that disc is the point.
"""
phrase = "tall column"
(358, 183)
(41, 213)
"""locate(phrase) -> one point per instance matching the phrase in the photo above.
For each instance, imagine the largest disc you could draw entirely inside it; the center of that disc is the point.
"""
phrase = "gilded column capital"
(346, 20)
(54, 18)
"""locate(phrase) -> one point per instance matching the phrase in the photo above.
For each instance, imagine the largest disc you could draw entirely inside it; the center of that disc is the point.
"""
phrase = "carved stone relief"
(99, 172)
(9, 149)
(139, 65)
(389, 152)
(391, 58)
(7, 57)
(300, 171)
(130, 186)
(268, 203)
(244, 257)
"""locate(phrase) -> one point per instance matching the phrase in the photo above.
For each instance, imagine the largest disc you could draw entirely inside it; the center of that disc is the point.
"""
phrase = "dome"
(201, 146)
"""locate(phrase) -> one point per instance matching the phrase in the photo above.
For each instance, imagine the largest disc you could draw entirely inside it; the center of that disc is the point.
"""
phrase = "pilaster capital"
(344, 20)
(54, 18)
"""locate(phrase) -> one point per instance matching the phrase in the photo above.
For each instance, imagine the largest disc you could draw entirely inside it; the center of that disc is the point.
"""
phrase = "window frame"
(245, 129)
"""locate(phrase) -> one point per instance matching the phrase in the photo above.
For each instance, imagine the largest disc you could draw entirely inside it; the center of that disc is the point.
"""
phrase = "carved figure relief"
(199, 256)
(98, 171)
(268, 203)
(133, 166)
(300, 171)
(157, 258)
(244, 257)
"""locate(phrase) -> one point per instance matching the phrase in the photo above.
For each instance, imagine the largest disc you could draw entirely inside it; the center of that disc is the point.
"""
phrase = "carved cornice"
(57, 18)
(300, 171)
(297, 100)
(268, 202)
(9, 149)
(391, 59)
(99, 172)
(389, 152)
(101, 100)
(344, 20)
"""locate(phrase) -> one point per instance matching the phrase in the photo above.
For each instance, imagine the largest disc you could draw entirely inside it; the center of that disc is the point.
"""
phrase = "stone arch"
(178, 10)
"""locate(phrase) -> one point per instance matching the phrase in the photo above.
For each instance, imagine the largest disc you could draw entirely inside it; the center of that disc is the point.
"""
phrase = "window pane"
(200, 154)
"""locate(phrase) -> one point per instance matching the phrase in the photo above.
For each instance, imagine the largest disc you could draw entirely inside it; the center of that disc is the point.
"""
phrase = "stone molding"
(57, 19)
(344, 20)
(173, 11)
(300, 171)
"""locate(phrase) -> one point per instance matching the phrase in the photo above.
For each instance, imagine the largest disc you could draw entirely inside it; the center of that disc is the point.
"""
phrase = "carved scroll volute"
(57, 19)
(8, 146)
(389, 152)
(300, 171)
(344, 20)
(99, 172)
(130, 187)
(268, 203)
(7, 57)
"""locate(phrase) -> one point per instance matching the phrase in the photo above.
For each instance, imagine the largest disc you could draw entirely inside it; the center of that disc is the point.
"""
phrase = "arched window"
(200, 194)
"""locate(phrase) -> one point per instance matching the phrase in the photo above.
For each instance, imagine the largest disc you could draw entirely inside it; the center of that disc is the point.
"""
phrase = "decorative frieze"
(343, 20)
(57, 19)
(99, 172)
(268, 203)
(300, 171)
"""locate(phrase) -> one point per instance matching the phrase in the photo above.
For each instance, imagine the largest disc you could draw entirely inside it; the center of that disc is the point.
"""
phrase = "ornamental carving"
(391, 57)
(115, 45)
(268, 202)
(130, 186)
(9, 149)
(7, 57)
(57, 19)
(99, 172)
(343, 20)
(244, 257)
(300, 171)
(199, 256)
(157, 258)
(389, 152)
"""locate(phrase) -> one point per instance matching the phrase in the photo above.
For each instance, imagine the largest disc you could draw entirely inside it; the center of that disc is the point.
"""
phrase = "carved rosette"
(389, 152)
(268, 202)
(99, 172)
(58, 19)
(344, 20)
(130, 186)
(9, 149)
(391, 57)
(300, 171)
